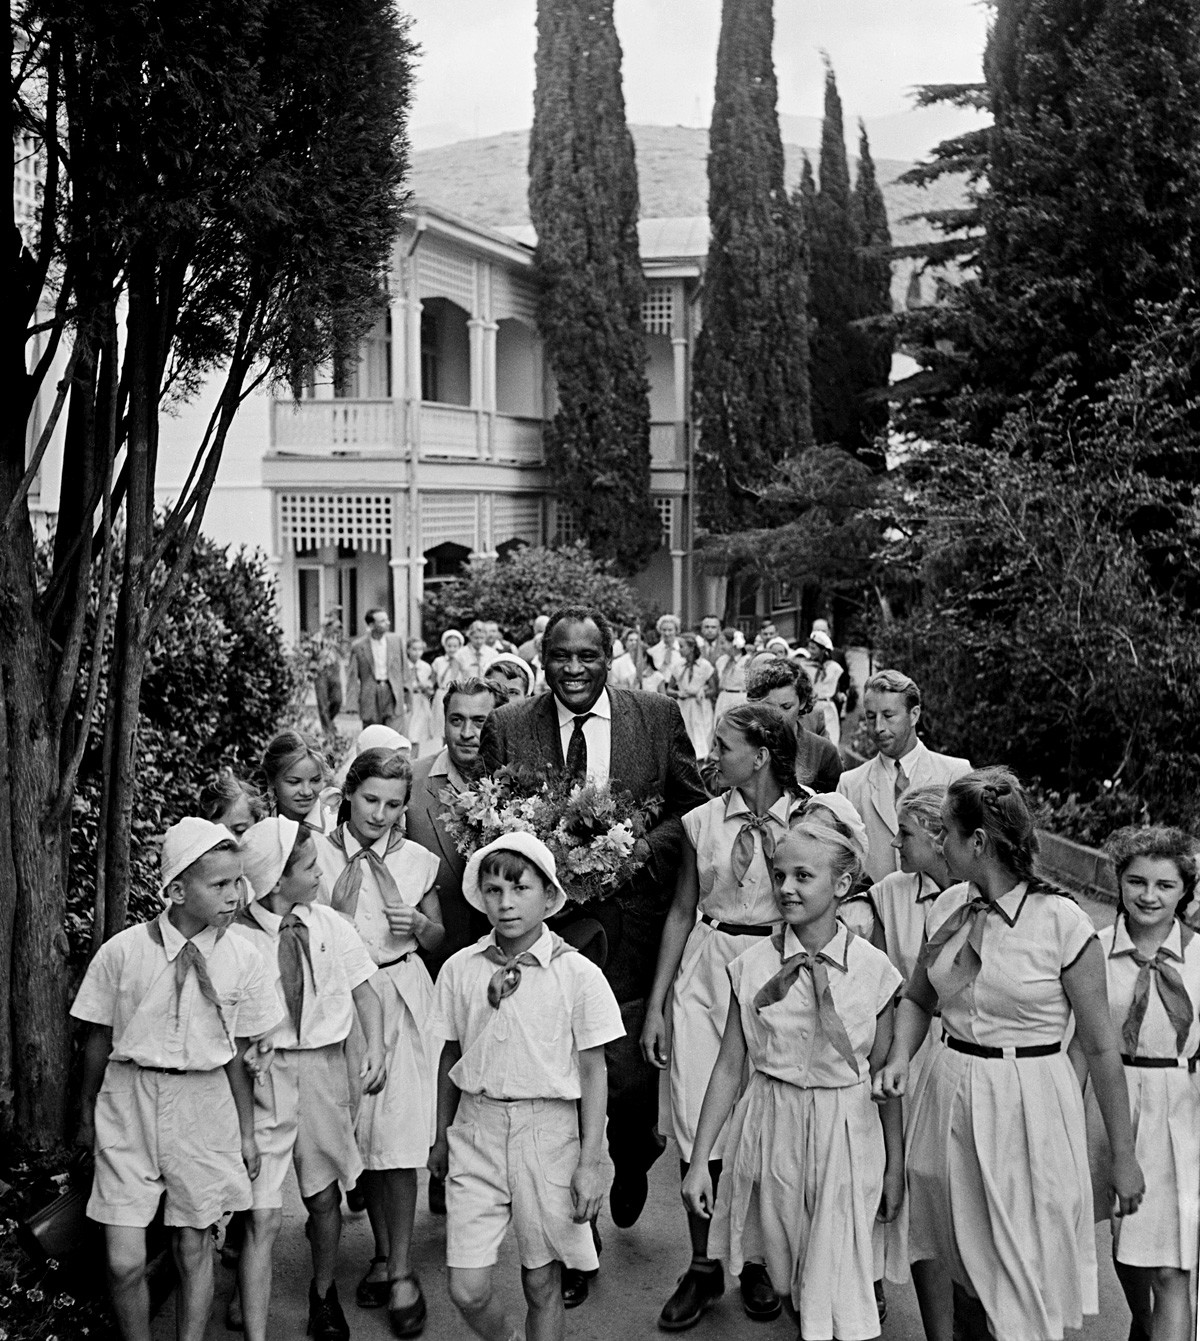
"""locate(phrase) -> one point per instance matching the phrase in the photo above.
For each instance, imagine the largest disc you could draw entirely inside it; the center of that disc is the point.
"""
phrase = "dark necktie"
(344, 896)
(743, 844)
(776, 988)
(901, 783)
(968, 960)
(577, 748)
(507, 978)
(293, 951)
(1171, 992)
(189, 958)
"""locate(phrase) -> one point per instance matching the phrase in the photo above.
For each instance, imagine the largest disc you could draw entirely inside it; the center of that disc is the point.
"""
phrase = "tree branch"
(35, 461)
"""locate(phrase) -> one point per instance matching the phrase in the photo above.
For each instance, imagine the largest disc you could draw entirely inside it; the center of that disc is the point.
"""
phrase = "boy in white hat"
(319, 967)
(522, 1092)
(173, 1004)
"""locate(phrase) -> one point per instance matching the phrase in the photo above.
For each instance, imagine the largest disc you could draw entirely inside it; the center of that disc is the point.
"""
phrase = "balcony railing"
(457, 432)
(324, 427)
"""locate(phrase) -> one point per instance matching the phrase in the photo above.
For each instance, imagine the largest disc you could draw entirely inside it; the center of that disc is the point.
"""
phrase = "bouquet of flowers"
(591, 830)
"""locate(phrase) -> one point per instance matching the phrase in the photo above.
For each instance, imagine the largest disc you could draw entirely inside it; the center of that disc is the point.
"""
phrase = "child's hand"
(401, 919)
(1128, 1184)
(438, 1162)
(250, 1156)
(654, 1039)
(698, 1190)
(891, 1081)
(893, 1192)
(258, 1057)
(373, 1072)
(587, 1191)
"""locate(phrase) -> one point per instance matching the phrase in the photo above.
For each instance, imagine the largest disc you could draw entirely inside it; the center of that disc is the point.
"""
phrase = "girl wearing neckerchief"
(998, 1181)
(384, 885)
(1153, 967)
(811, 1161)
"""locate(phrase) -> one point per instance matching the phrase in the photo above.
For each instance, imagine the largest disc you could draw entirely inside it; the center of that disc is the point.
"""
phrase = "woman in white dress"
(444, 670)
(384, 884)
(723, 904)
(997, 1165)
(634, 669)
(826, 676)
(733, 660)
(688, 685)
(422, 687)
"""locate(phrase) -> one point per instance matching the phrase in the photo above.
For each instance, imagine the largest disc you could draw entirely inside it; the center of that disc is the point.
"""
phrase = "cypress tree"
(583, 200)
(750, 398)
(833, 283)
(874, 300)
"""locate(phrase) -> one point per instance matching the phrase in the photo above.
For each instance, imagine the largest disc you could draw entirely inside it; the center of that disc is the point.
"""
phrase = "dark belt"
(392, 962)
(1161, 1063)
(166, 1070)
(738, 928)
(979, 1050)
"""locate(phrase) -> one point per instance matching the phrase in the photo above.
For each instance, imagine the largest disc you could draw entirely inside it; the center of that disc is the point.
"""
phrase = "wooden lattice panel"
(361, 521)
(516, 517)
(452, 517)
(443, 274)
(658, 309)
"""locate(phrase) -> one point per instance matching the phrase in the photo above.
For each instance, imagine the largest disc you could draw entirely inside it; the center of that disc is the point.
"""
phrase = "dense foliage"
(1051, 579)
(583, 200)
(529, 581)
(750, 376)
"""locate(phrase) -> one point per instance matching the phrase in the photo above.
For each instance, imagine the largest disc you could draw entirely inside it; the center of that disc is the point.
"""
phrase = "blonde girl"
(688, 685)
(297, 781)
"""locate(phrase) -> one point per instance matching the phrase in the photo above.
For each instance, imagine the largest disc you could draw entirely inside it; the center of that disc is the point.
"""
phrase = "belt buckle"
(1009, 1054)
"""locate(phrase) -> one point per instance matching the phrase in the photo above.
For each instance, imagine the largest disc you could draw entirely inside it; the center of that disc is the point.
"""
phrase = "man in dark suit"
(639, 741)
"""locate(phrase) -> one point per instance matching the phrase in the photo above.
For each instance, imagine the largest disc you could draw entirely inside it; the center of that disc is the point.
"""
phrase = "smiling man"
(637, 740)
(892, 709)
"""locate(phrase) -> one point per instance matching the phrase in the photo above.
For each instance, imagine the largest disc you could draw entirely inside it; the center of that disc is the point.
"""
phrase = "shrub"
(531, 580)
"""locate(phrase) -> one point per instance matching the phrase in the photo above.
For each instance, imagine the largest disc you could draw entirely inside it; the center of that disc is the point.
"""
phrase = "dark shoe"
(372, 1293)
(628, 1196)
(326, 1321)
(1137, 1332)
(880, 1301)
(409, 1320)
(970, 1317)
(437, 1196)
(759, 1299)
(696, 1291)
(574, 1287)
(356, 1199)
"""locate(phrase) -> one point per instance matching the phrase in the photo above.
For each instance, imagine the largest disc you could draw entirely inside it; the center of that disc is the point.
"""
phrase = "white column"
(677, 558)
(398, 564)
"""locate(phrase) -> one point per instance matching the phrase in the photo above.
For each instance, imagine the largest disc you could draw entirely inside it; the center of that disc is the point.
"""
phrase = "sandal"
(372, 1293)
(409, 1320)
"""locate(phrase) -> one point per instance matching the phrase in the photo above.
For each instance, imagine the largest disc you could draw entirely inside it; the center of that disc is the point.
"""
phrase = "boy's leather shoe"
(627, 1196)
(574, 1286)
(326, 1321)
(697, 1290)
(759, 1299)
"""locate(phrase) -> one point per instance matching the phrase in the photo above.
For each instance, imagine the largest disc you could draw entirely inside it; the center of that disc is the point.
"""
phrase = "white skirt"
(1000, 1192)
(801, 1191)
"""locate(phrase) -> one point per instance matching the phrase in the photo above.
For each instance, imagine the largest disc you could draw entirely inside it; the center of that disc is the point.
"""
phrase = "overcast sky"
(476, 71)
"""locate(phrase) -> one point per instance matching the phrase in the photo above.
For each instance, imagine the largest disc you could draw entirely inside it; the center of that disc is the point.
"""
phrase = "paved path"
(638, 1271)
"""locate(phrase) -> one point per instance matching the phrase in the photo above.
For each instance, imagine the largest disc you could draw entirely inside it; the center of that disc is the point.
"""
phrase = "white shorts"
(302, 1115)
(513, 1160)
(172, 1132)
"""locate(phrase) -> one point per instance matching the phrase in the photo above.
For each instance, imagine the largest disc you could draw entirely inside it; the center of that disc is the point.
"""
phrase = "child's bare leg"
(254, 1269)
(193, 1250)
(325, 1230)
(471, 1292)
(400, 1206)
(1135, 1281)
(546, 1320)
(935, 1300)
(375, 1196)
(1172, 1304)
(127, 1280)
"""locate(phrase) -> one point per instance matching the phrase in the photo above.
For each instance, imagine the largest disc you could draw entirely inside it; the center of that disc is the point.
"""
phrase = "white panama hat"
(186, 842)
(526, 845)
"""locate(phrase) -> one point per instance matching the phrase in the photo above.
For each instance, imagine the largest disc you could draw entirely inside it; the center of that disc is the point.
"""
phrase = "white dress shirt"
(379, 657)
(597, 732)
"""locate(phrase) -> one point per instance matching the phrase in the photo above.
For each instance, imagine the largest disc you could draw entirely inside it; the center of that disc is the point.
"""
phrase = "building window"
(783, 595)
(566, 524)
(429, 356)
(665, 507)
(308, 590)
(658, 309)
(443, 562)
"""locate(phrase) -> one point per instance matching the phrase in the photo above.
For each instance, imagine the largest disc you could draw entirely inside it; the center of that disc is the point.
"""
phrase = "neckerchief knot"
(968, 959)
(507, 978)
(1171, 992)
(188, 959)
(743, 844)
(778, 986)
(346, 888)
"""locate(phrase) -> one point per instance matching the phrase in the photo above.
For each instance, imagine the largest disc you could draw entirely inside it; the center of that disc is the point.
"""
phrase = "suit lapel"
(883, 795)
(433, 809)
(549, 740)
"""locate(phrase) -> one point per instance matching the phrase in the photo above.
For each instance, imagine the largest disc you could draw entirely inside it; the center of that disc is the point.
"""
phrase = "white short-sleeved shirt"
(785, 1040)
(1017, 999)
(340, 963)
(712, 830)
(1157, 1035)
(130, 988)
(412, 867)
(528, 1047)
(903, 902)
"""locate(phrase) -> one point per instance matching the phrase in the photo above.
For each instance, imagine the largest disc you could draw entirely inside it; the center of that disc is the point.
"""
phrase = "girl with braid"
(810, 1161)
(725, 876)
(998, 1182)
(384, 885)
(1153, 966)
